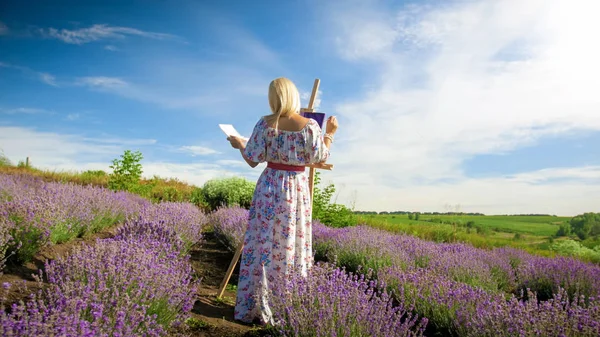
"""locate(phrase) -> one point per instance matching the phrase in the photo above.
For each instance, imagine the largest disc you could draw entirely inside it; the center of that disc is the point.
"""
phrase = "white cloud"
(232, 162)
(101, 32)
(574, 191)
(73, 117)
(102, 82)
(197, 150)
(76, 153)
(111, 48)
(195, 174)
(48, 79)
(52, 150)
(460, 80)
(42, 76)
(305, 97)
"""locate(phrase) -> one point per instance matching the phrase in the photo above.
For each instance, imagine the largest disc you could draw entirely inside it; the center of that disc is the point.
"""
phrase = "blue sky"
(486, 106)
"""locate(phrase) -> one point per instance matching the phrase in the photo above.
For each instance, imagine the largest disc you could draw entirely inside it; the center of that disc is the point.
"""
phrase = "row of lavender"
(474, 292)
(34, 213)
(460, 289)
(138, 283)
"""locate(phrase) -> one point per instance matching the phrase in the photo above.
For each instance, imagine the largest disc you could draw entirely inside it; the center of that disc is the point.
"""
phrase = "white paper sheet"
(229, 130)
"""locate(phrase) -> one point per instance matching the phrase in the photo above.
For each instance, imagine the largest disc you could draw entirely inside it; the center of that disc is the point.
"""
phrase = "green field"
(534, 234)
(532, 225)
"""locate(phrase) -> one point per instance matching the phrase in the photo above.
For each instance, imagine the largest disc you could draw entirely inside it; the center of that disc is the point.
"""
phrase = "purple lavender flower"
(331, 302)
(229, 224)
(34, 213)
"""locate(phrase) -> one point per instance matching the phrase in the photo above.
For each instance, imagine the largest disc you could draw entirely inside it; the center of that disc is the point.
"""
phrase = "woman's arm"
(238, 143)
(252, 164)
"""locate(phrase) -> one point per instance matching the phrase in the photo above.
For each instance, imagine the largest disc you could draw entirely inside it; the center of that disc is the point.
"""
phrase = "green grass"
(485, 237)
(543, 226)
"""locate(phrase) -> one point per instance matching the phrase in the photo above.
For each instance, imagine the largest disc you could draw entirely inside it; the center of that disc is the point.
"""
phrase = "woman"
(278, 238)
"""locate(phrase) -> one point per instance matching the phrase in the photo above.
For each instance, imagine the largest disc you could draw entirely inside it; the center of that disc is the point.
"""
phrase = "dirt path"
(210, 261)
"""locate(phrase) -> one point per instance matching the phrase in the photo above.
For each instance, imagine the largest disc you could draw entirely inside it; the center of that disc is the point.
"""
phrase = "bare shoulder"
(301, 120)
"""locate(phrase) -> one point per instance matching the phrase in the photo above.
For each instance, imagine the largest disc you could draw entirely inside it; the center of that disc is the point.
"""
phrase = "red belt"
(285, 167)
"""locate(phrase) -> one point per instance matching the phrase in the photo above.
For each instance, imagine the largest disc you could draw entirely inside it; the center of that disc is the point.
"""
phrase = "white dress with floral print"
(278, 238)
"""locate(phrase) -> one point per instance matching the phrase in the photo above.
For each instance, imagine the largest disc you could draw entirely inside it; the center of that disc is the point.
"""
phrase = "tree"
(127, 171)
(410, 216)
(586, 224)
(564, 230)
(417, 216)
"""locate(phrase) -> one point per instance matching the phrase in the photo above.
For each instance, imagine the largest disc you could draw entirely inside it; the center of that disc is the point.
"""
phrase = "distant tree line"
(584, 225)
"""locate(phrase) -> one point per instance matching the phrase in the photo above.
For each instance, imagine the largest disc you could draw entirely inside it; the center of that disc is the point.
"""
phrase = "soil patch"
(210, 261)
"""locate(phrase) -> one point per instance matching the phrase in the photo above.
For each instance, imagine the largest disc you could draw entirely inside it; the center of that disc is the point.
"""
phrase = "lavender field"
(367, 282)
(138, 283)
(451, 289)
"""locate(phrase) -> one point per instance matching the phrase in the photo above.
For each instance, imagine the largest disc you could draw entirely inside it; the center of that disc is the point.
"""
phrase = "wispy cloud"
(195, 150)
(306, 97)
(71, 152)
(108, 139)
(232, 162)
(30, 111)
(73, 117)
(111, 48)
(102, 82)
(48, 79)
(446, 91)
(103, 32)
(41, 76)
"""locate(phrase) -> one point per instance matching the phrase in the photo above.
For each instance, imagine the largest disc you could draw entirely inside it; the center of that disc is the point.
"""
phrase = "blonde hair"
(284, 99)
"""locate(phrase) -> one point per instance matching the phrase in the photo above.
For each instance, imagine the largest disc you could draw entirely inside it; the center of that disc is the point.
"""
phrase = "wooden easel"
(311, 182)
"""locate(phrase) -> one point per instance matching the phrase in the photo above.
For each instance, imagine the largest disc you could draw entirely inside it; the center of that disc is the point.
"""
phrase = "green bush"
(127, 171)
(330, 214)
(564, 230)
(197, 198)
(4, 161)
(232, 191)
(586, 225)
(575, 249)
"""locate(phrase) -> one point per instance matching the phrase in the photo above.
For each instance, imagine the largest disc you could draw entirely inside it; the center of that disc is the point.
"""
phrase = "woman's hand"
(332, 125)
(236, 142)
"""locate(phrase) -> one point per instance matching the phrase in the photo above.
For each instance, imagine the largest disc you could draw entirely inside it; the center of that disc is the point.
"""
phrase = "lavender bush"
(331, 302)
(546, 276)
(149, 232)
(132, 285)
(82, 316)
(557, 316)
(229, 224)
(186, 220)
(34, 213)
(463, 310)
(373, 248)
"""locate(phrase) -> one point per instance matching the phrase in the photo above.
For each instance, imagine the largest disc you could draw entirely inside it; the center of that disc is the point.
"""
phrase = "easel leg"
(311, 183)
(232, 264)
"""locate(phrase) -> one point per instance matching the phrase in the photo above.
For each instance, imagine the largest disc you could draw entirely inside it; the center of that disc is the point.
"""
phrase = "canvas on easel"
(308, 113)
(319, 117)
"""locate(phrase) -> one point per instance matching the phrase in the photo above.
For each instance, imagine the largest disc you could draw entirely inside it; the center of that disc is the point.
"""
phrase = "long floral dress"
(278, 238)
